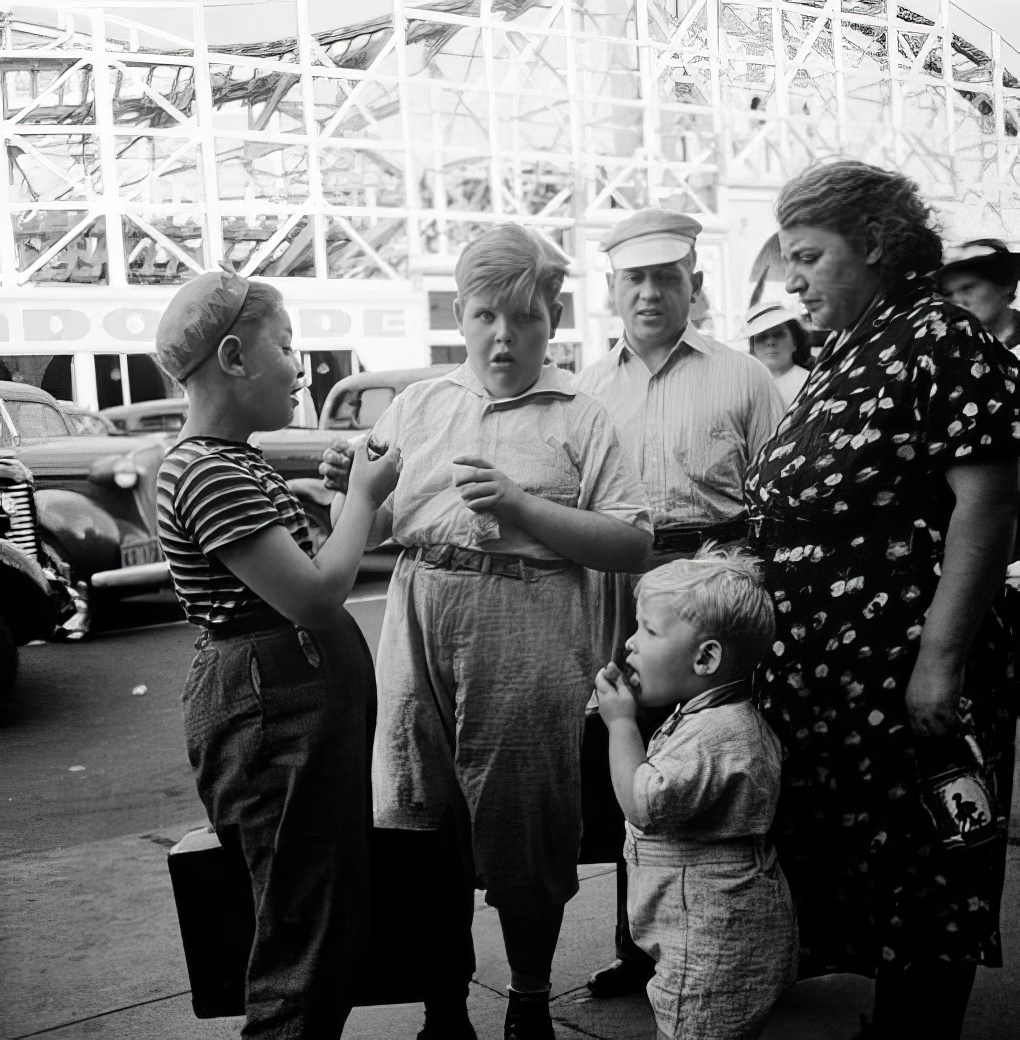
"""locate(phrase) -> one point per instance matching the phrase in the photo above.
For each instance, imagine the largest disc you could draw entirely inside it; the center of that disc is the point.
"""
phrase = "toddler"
(707, 899)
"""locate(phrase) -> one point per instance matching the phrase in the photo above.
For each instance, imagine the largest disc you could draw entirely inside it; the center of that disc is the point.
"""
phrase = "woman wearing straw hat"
(778, 340)
(981, 277)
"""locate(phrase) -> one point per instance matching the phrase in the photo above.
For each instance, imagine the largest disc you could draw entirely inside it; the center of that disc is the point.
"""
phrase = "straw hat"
(764, 316)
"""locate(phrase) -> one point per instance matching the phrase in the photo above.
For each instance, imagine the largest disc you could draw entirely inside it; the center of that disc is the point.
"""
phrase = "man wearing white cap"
(981, 277)
(691, 412)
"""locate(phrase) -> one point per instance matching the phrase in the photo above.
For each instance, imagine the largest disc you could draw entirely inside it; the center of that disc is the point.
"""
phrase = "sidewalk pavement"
(89, 947)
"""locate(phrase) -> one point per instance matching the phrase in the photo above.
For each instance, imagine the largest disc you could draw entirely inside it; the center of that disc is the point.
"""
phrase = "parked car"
(356, 402)
(31, 605)
(294, 451)
(165, 415)
(352, 407)
(95, 496)
(88, 423)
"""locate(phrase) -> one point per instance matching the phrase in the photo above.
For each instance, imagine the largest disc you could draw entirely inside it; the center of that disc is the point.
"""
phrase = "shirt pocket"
(547, 471)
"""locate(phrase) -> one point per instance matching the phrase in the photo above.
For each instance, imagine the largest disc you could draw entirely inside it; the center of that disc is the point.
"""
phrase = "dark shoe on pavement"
(447, 1023)
(620, 978)
(527, 1018)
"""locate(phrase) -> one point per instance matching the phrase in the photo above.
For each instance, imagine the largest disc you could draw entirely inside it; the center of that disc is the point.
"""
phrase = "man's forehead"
(673, 265)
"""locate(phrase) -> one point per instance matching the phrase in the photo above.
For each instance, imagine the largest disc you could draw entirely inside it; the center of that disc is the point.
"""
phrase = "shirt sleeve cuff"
(647, 781)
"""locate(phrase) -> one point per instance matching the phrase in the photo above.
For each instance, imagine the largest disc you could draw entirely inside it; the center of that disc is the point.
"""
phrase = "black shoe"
(527, 1018)
(447, 1022)
(620, 978)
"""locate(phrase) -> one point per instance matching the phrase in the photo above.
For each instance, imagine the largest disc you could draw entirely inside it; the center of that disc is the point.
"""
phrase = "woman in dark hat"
(885, 506)
(981, 277)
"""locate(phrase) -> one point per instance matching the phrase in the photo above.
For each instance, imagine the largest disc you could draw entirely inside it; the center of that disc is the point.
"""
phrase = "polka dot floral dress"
(855, 508)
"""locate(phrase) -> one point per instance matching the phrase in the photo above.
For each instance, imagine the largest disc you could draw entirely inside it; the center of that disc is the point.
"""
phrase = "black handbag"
(412, 889)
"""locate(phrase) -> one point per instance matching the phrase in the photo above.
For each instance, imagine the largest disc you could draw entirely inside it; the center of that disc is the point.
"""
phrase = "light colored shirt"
(690, 429)
(552, 441)
(790, 382)
(712, 772)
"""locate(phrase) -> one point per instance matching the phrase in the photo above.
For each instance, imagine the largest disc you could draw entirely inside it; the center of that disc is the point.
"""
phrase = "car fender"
(313, 490)
(88, 536)
(29, 604)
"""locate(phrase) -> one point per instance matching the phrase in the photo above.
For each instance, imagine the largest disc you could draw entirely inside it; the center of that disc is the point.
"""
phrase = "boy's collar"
(729, 693)
(551, 380)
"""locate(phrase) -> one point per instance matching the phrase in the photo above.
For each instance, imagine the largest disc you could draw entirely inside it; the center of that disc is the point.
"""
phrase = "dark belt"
(686, 539)
(246, 624)
(503, 565)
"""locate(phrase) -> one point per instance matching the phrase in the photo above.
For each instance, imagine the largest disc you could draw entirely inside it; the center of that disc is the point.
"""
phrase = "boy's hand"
(335, 467)
(615, 697)
(374, 479)
(485, 489)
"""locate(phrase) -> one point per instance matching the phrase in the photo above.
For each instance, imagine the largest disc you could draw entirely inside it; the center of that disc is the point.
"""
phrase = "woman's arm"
(978, 543)
(311, 591)
(591, 539)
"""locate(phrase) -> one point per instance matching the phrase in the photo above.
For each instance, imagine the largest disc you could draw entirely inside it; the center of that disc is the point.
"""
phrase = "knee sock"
(530, 943)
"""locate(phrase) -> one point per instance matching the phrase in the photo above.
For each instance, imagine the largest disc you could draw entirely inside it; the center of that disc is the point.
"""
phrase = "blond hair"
(721, 595)
(514, 263)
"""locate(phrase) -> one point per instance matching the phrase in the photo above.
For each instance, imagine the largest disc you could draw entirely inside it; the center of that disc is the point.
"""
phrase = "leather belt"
(503, 565)
(686, 539)
(246, 624)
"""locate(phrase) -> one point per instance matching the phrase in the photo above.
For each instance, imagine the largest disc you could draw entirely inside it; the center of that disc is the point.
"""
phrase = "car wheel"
(78, 624)
(318, 523)
(8, 660)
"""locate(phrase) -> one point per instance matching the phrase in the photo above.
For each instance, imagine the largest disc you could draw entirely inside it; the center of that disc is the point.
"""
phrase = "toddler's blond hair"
(721, 595)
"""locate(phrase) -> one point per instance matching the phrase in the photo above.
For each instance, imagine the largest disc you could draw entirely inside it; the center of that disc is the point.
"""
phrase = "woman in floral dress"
(886, 509)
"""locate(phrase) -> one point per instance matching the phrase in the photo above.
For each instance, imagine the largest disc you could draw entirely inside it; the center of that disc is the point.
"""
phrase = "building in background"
(355, 160)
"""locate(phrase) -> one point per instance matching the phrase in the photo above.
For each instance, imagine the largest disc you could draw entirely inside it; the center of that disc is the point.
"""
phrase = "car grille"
(18, 502)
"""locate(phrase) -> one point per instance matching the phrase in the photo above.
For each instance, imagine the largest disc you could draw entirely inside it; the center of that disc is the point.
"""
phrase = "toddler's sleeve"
(675, 784)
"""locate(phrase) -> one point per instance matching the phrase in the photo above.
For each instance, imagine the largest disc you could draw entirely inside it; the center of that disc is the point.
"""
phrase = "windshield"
(360, 411)
(31, 421)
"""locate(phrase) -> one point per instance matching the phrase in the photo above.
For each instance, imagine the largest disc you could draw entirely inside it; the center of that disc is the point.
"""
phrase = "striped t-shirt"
(210, 493)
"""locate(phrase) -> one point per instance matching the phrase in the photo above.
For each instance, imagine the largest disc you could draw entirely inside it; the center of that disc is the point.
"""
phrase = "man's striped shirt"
(211, 493)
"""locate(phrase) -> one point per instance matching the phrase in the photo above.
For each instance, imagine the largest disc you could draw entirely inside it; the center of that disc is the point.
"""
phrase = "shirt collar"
(690, 337)
(552, 380)
(731, 693)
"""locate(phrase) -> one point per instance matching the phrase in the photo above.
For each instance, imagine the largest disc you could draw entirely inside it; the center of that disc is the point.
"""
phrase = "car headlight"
(125, 473)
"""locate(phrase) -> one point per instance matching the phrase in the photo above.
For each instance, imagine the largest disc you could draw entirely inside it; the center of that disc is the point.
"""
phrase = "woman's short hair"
(845, 195)
(801, 347)
(719, 593)
(513, 263)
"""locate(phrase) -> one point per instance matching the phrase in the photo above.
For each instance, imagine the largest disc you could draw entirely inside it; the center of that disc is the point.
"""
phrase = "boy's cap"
(764, 316)
(988, 258)
(197, 318)
(650, 236)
